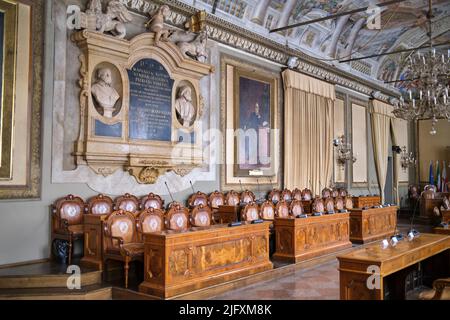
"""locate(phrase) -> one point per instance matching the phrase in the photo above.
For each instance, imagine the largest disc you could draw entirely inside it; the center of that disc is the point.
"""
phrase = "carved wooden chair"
(122, 242)
(152, 201)
(267, 210)
(286, 195)
(247, 197)
(197, 199)
(127, 202)
(100, 204)
(430, 187)
(318, 205)
(445, 204)
(296, 194)
(440, 291)
(326, 193)
(216, 199)
(282, 209)
(67, 221)
(232, 198)
(274, 195)
(306, 194)
(342, 192)
(177, 218)
(348, 203)
(428, 194)
(334, 193)
(150, 220)
(296, 208)
(329, 205)
(339, 204)
(201, 216)
(250, 212)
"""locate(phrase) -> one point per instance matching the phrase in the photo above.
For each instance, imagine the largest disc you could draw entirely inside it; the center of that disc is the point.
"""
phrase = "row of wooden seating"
(283, 209)
(306, 194)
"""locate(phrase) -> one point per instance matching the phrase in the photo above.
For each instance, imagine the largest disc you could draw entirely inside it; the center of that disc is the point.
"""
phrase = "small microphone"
(242, 189)
(235, 224)
(193, 190)
(257, 221)
(412, 233)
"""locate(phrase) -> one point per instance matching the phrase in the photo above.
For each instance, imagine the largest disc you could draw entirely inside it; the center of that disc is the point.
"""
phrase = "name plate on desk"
(150, 101)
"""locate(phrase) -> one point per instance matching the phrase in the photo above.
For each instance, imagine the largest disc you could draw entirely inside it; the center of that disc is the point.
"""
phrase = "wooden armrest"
(119, 239)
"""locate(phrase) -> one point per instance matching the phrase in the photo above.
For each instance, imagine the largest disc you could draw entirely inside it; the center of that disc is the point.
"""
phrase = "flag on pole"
(438, 177)
(444, 178)
(431, 179)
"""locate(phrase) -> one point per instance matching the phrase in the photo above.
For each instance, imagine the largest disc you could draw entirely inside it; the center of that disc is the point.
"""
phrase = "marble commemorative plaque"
(150, 111)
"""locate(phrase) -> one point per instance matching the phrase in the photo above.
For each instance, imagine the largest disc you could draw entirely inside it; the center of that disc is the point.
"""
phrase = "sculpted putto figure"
(156, 24)
(183, 106)
(105, 95)
(195, 49)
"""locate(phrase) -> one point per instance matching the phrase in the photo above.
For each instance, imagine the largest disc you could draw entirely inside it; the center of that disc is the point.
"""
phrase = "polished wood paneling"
(93, 241)
(440, 230)
(180, 262)
(354, 266)
(366, 201)
(305, 238)
(226, 214)
(372, 224)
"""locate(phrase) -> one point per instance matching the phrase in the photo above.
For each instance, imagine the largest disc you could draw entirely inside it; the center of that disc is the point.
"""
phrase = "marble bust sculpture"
(102, 91)
(183, 106)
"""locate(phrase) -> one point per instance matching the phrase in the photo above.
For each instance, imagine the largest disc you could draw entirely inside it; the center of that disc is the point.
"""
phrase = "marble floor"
(316, 283)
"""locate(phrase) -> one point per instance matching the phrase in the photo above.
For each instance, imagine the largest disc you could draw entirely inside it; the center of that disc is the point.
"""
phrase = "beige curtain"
(308, 131)
(381, 126)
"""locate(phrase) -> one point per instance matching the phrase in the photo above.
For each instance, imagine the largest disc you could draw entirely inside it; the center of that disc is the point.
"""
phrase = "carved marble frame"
(148, 159)
(229, 180)
(32, 187)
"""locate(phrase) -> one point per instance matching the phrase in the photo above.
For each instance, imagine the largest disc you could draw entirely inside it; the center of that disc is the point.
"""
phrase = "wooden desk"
(372, 224)
(445, 216)
(304, 238)
(440, 230)
(392, 263)
(93, 241)
(180, 262)
(307, 206)
(366, 201)
(226, 214)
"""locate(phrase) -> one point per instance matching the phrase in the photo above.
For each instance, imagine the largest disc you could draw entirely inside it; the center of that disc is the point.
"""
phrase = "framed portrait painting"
(21, 60)
(250, 115)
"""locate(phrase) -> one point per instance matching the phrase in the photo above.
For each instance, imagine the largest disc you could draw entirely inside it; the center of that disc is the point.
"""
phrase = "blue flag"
(431, 180)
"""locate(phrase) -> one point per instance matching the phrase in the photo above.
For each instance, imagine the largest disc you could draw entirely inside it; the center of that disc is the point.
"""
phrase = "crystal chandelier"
(429, 99)
(406, 159)
(344, 150)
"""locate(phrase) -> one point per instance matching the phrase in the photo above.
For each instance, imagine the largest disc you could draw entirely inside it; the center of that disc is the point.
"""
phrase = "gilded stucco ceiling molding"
(225, 32)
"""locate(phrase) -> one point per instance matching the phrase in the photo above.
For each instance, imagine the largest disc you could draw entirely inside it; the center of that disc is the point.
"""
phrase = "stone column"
(286, 13)
(352, 37)
(260, 11)
(341, 21)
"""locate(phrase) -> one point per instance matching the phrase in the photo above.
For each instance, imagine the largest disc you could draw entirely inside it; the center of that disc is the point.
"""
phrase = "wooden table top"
(391, 259)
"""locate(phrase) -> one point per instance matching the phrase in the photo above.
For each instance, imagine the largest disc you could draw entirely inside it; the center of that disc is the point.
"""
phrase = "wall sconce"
(406, 159)
(344, 150)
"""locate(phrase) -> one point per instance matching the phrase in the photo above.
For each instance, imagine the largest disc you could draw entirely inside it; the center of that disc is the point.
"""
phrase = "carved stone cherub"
(195, 49)
(156, 24)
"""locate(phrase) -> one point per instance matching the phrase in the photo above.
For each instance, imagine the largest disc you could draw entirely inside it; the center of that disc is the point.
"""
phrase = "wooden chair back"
(326, 193)
(100, 204)
(286, 195)
(274, 195)
(334, 193)
(250, 212)
(201, 216)
(296, 208)
(69, 209)
(127, 202)
(177, 218)
(232, 198)
(296, 194)
(306, 194)
(282, 209)
(329, 204)
(339, 203)
(247, 197)
(120, 225)
(267, 210)
(348, 203)
(216, 199)
(150, 220)
(197, 199)
(318, 205)
(342, 192)
(152, 201)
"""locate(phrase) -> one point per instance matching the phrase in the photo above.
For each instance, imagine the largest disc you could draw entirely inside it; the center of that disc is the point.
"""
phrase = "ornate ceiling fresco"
(403, 25)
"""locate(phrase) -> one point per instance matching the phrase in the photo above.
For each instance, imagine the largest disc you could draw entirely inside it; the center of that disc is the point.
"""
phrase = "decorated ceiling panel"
(403, 25)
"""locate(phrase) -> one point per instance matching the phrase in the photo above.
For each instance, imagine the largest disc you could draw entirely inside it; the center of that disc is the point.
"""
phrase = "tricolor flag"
(438, 177)
(431, 179)
(444, 178)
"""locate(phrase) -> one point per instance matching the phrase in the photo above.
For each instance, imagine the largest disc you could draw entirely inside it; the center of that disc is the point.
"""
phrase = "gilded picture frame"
(254, 175)
(21, 98)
